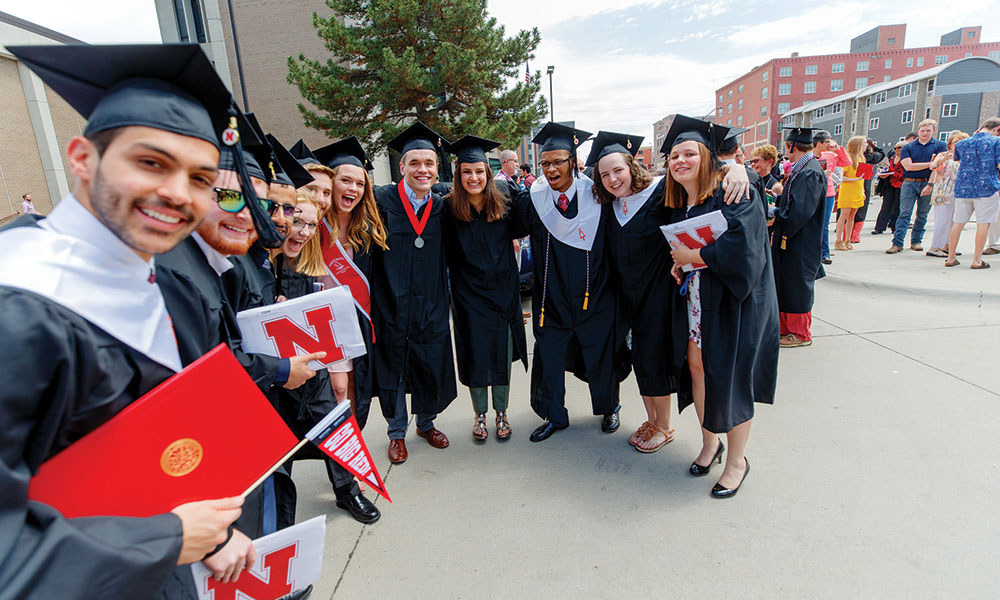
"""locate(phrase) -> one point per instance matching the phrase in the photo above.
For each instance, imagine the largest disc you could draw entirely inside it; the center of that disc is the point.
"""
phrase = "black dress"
(795, 242)
(641, 257)
(739, 317)
(485, 297)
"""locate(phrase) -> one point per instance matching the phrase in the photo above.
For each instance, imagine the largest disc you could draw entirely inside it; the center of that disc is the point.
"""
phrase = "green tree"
(445, 62)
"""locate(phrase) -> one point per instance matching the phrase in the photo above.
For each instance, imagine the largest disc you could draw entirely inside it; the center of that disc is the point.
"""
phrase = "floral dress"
(944, 187)
(694, 305)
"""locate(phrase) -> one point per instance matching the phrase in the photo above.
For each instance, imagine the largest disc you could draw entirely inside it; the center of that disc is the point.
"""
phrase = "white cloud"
(106, 21)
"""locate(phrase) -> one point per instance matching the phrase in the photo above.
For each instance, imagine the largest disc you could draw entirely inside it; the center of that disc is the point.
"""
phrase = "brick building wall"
(19, 159)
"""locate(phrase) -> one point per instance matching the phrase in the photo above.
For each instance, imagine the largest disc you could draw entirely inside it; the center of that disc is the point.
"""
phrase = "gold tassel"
(586, 300)
(784, 240)
(541, 319)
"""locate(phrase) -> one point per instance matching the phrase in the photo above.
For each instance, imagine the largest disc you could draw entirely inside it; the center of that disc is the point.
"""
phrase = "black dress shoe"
(698, 470)
(720, 492)
(610, 422)
(360, 508)
(299, 595)
(545, 431)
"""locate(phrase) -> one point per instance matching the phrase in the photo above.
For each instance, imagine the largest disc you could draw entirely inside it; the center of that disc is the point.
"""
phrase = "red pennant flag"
(339, 436)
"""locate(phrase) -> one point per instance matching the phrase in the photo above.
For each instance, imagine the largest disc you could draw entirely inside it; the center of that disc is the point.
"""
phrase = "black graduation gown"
(739, 323)
(589, 343)
(795, 239)
(641, 257)
(410, 309)
(485, 297)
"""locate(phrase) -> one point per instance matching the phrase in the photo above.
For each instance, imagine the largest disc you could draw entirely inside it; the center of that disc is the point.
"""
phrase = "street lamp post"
(552, 110)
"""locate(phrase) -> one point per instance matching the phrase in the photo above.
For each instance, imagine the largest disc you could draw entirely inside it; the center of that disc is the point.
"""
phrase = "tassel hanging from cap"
(267, 232)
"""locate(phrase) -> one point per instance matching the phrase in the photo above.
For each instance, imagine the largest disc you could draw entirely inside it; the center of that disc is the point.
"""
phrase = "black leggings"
(890, 210)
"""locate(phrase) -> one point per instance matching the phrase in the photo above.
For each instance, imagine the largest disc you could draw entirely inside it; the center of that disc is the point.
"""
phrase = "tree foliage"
(445, 62)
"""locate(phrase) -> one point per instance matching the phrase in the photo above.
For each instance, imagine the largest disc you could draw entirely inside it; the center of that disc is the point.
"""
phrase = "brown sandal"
(503, 427)
(668, 436)
(952, 264)
(639, 433)
(479, 427)
(982, 265)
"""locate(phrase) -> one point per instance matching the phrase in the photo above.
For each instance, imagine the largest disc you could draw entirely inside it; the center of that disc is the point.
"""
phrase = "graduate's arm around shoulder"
(738, 256)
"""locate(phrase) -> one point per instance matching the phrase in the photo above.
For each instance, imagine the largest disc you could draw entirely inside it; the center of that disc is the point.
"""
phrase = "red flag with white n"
(339, 436)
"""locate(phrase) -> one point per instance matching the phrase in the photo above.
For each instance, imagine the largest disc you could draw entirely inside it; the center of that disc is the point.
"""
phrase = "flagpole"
(275, 467)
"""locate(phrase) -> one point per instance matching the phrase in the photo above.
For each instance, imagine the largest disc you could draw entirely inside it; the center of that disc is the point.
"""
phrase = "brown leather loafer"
(397, 451)
(434, 437)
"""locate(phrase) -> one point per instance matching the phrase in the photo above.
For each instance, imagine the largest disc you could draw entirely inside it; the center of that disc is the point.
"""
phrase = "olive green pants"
(501, 393)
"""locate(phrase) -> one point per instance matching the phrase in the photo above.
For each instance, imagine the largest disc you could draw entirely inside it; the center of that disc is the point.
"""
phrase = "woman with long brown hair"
(726, 333)
(486, 301)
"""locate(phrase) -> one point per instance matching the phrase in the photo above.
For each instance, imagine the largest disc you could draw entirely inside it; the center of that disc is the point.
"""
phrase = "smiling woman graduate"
(486, 301)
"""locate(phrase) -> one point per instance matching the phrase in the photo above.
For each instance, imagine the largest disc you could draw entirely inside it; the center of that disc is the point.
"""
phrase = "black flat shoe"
(360, 508)
(720, 492)
(545, 431)
(610, 422)
(698, 470)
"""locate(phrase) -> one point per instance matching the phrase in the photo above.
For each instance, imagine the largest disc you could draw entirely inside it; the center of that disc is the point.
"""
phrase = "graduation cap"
(560, 137)
(731, 140)
(347, 151)
(417, 137)
(287, 170)
(256, 151)
(799, 135)
(685, 129)
(303, 154)
(171, 87)
(471, 149)
(607, 143)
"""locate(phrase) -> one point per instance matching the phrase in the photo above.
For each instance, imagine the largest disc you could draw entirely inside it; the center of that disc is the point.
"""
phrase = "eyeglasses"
(233, 201)
(300, 225)
(290, 210)
(753, 161)
(555, 163)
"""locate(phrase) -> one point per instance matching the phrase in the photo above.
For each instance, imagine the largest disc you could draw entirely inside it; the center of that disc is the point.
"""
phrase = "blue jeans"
(825, 244)
(398, 424)
(909, 195)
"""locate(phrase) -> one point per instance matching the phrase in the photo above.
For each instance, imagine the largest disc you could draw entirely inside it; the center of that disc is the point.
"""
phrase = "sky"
(621, 65)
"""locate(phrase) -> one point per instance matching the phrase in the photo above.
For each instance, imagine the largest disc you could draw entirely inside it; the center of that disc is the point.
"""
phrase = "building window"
(880, 97)
(729, 108)
(927, 113)
(809, 87)
(943, 136)
(739, 104)
(785, 72)
(838, 129)
(837, 108)
(995, 55)
(763, 111)
(909, 62)
(950, 110)
(763, 76)
(860, 82)
(739, 121)
(740, 89)
(868, 102)
(907, 117)
(853, 127)
(930, 85)
(920, 61)
(763, 93)
(199, 24)
(968, 55)
(720, 111)
(891, 41)
(819, 112)
(720, 98)
(182, 29)
(837, 68)
(886, 79)
(862, 65)
(784, 89)
(836, 85)
(812, 69)
(940, 59)
(872, 123)
(888, 63)
(729, 122)
(784, 107)
(762, 130)
(905, 90)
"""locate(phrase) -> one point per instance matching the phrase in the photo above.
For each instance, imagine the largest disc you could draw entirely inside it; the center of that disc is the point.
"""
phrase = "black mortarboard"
(171, 87)
(606, 143)
(731, 140)
(684, 129)
(287, 170)
(347, 151)
(560, 137)
(303, 154)
(471, 149)
(417, 137)
(800, 135)
(256, 151)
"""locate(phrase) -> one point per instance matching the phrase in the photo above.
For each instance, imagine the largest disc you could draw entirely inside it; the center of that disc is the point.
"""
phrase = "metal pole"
(552, 109)
(239, 59)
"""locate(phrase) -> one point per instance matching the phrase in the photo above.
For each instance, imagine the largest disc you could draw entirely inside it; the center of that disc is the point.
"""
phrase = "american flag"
(527, 74)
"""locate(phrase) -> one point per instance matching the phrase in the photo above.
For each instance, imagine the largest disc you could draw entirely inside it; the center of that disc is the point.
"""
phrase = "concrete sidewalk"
(872, 474)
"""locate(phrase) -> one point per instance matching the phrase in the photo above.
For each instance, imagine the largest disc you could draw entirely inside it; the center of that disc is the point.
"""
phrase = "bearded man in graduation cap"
(87, 321)
(410, 296)
(799, 223)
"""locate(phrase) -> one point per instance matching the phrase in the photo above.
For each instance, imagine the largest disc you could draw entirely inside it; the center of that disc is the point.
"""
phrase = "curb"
(980, 296)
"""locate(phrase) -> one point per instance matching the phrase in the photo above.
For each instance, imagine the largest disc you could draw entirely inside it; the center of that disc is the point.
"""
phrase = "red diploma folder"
(865, 170)
(207, 432)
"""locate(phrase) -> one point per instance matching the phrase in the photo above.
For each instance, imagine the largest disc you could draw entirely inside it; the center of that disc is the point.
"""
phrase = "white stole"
(626, 207)
(578, 232)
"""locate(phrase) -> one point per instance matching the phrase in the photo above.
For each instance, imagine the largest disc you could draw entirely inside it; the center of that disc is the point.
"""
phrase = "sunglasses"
(233, 201)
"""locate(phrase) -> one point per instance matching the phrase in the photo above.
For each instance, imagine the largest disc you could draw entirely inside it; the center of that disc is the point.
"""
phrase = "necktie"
(563, 202)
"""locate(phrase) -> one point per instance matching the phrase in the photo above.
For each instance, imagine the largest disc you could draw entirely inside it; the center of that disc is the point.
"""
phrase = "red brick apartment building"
(758, 99)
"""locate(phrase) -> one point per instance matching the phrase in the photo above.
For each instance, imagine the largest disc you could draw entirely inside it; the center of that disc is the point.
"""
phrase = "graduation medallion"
(418, 225)
(419, 242)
